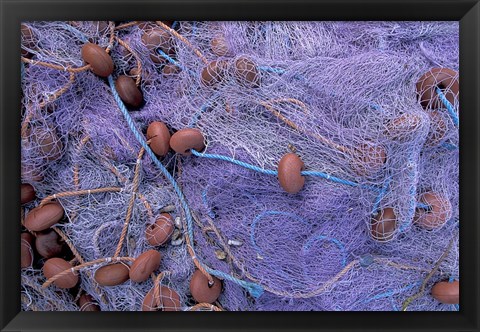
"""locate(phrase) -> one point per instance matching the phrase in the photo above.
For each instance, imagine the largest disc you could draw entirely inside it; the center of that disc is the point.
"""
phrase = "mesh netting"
(370, 108)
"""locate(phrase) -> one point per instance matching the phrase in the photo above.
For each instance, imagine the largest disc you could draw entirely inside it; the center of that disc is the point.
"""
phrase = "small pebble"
(366, 260)
(220, 254)
(168, 208)
(178, 223)
(234, 243)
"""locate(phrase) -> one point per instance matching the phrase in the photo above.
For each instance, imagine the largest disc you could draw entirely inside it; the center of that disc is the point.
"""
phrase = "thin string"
(275, 173)
(450, 109)
(254, 289)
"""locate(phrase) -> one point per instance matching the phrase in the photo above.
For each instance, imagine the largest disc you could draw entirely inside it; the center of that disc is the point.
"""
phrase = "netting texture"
(342, 96)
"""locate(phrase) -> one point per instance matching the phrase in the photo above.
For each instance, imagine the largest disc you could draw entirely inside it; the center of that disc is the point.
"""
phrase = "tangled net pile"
(363, 116)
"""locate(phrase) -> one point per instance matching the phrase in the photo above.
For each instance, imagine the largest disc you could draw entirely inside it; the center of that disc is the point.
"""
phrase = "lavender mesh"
(353, 77)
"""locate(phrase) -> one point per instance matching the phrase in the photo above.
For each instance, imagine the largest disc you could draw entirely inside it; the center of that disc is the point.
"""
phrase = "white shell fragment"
(235, 243)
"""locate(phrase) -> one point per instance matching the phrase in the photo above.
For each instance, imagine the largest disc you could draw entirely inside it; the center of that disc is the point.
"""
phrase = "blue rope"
(377, 107)
(381, 195)
(203, 108)
(205, 202)
(269, 213)
(194, 27)
(275, 173)
(174, 62)
(234, 161)
(272, 70)
(394, 306)
(340, 246)
(392, 292)
(77, 32)
(449, 146)
(174, 24)
(254, 289)
(420, 205)
(449, 107)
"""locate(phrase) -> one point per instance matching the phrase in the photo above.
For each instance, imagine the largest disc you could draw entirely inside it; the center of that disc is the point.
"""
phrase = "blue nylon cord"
(449, 146)
(381, 195)
(205, 202)
(450, 109)
(420, 205)
(275, 173)
(234, 161)
(77, 32)
(174, 62)
(272, 70)
(339, 245)
(392, 292)
(254, 289)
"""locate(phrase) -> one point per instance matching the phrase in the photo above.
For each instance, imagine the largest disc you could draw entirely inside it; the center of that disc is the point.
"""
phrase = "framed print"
(283, 165)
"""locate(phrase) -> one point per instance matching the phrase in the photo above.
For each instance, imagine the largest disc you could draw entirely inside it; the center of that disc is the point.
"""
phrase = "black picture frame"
(15, 11)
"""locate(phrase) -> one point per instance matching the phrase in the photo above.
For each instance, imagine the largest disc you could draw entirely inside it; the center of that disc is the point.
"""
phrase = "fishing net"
(370, 108)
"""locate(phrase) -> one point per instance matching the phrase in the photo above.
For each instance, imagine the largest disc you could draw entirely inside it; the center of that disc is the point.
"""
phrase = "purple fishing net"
(340, 95)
